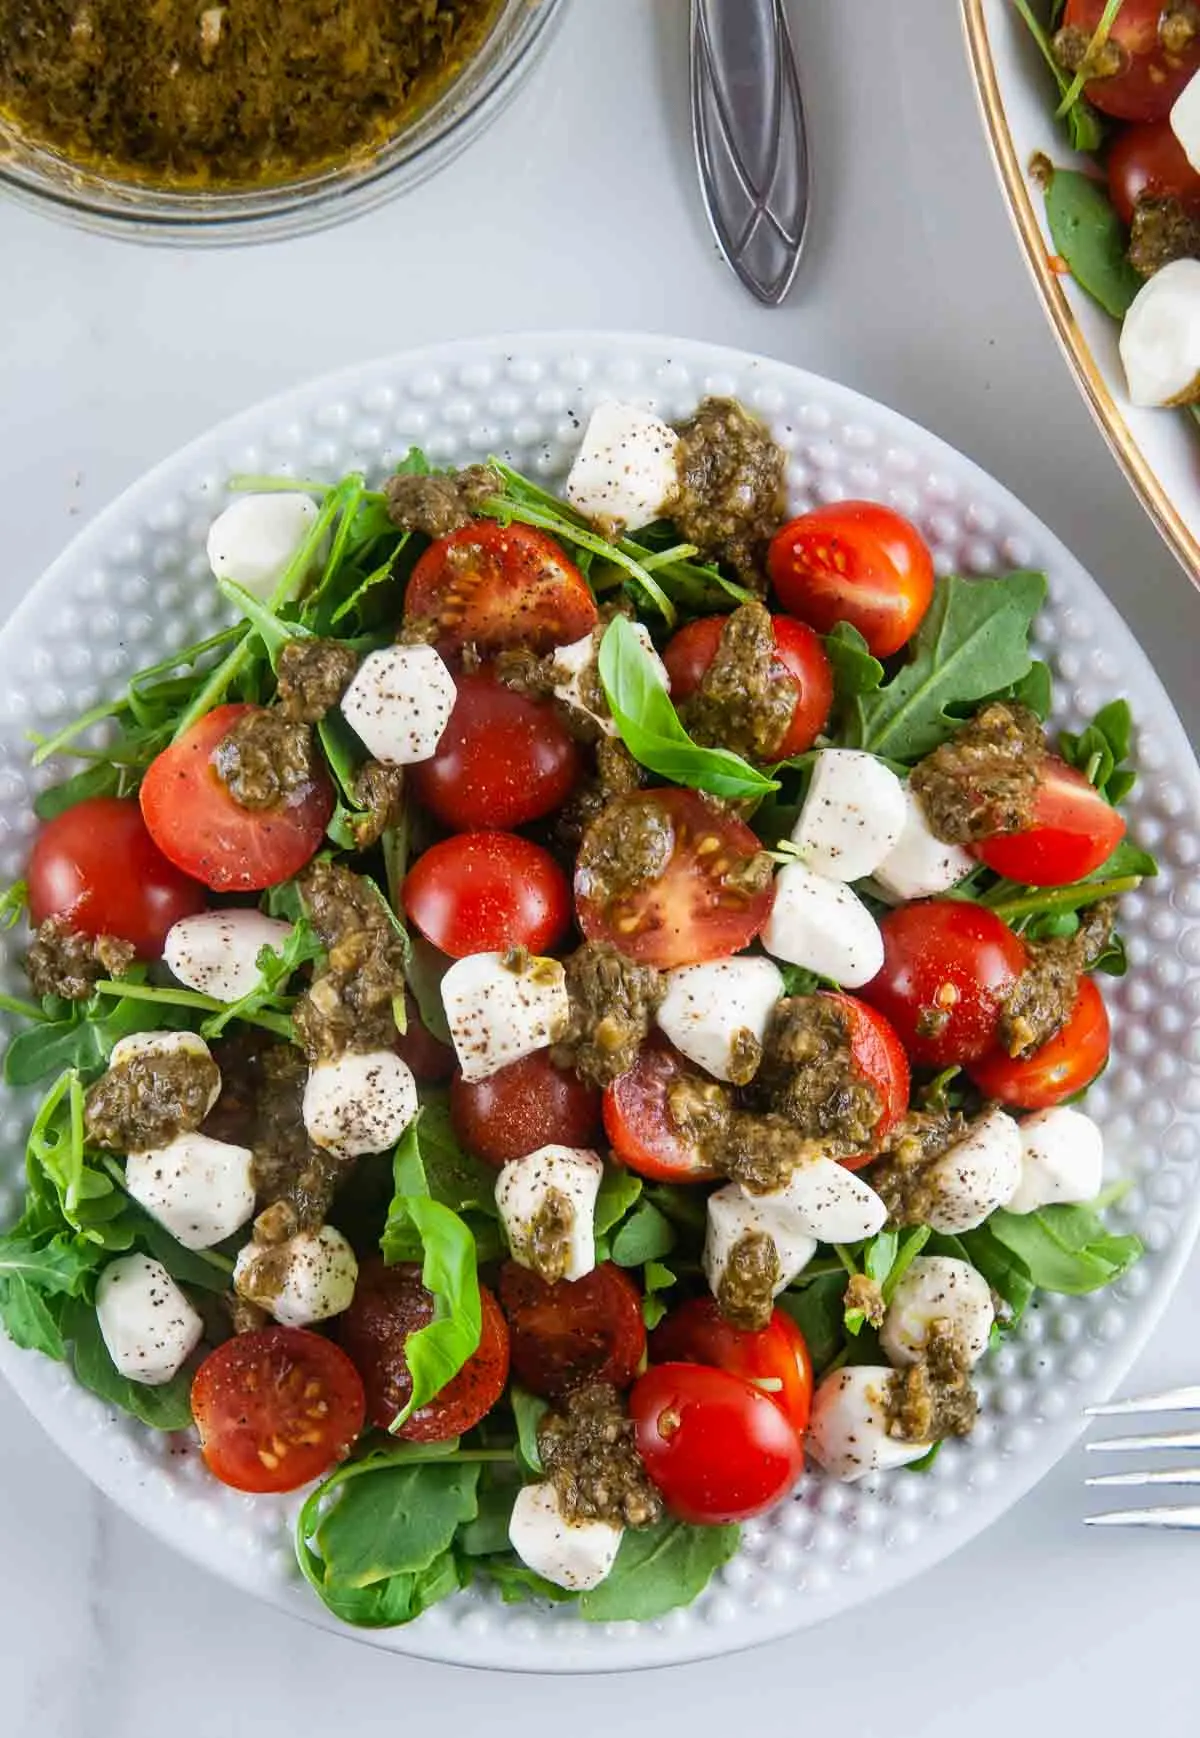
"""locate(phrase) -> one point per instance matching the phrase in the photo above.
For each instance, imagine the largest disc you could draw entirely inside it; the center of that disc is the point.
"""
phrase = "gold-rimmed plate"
(1159, 450)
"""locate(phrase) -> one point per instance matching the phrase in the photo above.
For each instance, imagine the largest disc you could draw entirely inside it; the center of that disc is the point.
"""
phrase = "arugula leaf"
(798, 980)
(974, 638)
(395, 1521)
(1092, 239)
(644, 1236)
(1100, 750)
(817, 1310)
(32, 1317)
(84, 1039)
(517, 1583)
(655, 1280)
(650, 727)
(528, 1411)
(855, 670)
(165, 1407)
(1065, 1248)
(618, 1193)
(657, 1569)
(276, 967)
(449, 1271)
(1005, 1273)
(487, 1534)
(14, 903)
(423, 975)
(1085, 129)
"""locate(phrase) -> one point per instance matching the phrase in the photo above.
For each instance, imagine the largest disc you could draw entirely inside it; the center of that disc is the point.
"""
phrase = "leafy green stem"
(27, 1010)
(1045, 900)
(277, 1023)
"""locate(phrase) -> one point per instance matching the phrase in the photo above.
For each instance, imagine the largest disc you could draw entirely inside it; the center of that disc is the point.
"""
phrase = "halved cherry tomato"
(717, 1447)
(1062, 1067)
(97, 866)
(638, 1120)
(1154, 64)
(518, 1109)
(878, 1055)
(774, 1358)
(1148, 162)
(430, 1060)
(947, 967)
(484, 892)
(698, 908)
(574, 1331)
(800, 662)
(197, 824)
(389, 1304)
(492, 586)
(503, 759)
(1074, 830)
(856, 562)
(276, 1408)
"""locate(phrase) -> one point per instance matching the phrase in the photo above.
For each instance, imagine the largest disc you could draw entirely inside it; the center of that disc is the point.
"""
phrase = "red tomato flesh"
(1150, 76)
(692, 911)
(485, 892)
(389, 1304)
(856, 562)
(197, 824)
(1062, 1067)
(503, 759)
(717, 1447)
(493, 586)
(947, 967)
(878, 1055)
(518, 1109)
(638, 1121)
(574, 1331)
(800, 662)
(276, 1408)
(1074, 831)
(96, 866)
(774, 1358)
(1148, 162)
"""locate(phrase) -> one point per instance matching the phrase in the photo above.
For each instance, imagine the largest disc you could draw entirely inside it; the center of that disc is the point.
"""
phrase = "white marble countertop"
(580, 209)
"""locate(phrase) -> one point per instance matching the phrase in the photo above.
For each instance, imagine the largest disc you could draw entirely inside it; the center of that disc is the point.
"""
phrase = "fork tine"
(1172, 1400)
(1186, 1517)
(1180, 1475)
(1123, 1444)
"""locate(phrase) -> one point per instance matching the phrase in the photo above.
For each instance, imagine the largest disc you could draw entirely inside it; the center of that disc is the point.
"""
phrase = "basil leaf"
(1092, 239)
(395, 1520)
(650, 727)
(658, 1569)
(1065, 1248)
(974, 639)
(645, 1235)
(165, 1407)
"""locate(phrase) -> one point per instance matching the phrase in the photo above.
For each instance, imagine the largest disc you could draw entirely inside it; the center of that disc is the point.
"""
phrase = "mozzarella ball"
(626, 470)
(919, 865)
(568, 1176)
(572, 1554)
(1160, 337)
(937, 1288)
(710, 1011)
(216, 952)
(307, 1279)
(202, 1190)
(1062, 1159)
(497, 1012)
(852, 816)
(254, 540)
(360, 1103)
(848, 1426)
(399, 703)
(976, 1175)
(822, 925)
(146, 1322)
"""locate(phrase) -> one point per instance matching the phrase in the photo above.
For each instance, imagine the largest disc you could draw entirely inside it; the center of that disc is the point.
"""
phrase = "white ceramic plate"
(1159, 450)
(136, 583)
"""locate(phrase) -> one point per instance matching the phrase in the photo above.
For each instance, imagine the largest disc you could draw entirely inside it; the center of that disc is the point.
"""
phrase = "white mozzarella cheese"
(1185, 120)
(573, 1554)
(400, 702)
(360, 1103)
(569, 1175)
(216, 952)
(256, 536)
(919, 865)
(824, 926)
(498, 1013)
(709, 1009)
(312, 1277)
(1062, 1159)
(848, 1428)
(831, 1203)
(734, 1214)
(570, 663)
(626, 470)
(937, 1288)
(852, 816)
(200, 1189)
(146, 1322)
(976, 1175)
(1160, 337)
(142, 1046)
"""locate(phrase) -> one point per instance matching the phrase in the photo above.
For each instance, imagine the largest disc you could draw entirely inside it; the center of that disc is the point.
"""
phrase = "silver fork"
(1183, 1515)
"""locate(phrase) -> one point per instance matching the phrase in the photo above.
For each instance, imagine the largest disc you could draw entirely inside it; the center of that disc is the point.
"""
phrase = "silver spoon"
(751, 149)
